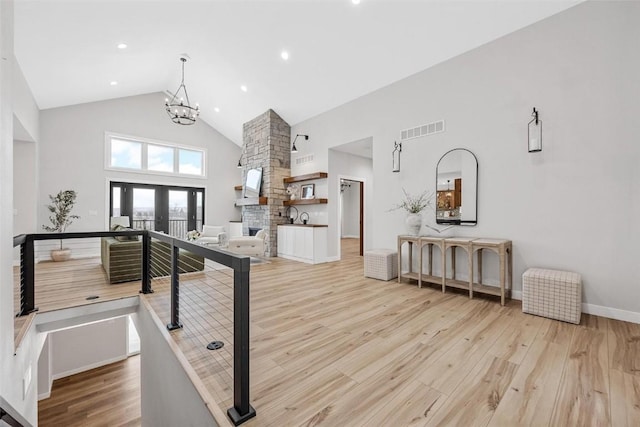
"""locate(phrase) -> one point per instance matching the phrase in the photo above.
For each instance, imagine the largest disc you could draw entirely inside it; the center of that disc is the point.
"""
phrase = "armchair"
(249, 245)
(213, 235)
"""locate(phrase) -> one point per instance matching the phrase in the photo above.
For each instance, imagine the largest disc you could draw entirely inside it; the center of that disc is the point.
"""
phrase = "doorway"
(351, 218)
(170, 209)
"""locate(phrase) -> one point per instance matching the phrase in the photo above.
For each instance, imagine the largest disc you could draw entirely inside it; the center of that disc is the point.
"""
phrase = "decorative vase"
(60, 254)
(413, 223)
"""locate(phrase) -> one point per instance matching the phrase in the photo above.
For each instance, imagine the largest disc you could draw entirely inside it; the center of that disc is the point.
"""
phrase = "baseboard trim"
(89, 367)
(599, 310)
(611, 313)
(44, 395)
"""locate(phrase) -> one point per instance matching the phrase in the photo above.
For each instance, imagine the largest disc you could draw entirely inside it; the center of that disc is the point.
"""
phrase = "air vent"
(304, 159)
(424, 130)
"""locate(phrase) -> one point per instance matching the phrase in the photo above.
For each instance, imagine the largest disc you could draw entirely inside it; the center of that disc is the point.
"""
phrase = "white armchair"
(249, 245)
(213, 235)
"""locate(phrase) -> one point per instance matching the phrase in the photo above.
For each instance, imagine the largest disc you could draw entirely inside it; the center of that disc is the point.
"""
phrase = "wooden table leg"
(470, 261)
(399, 260)
(443, 265)
(420, 266)
(503, 274)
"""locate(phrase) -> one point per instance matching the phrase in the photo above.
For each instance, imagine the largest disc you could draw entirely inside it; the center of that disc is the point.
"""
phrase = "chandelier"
(179, 107)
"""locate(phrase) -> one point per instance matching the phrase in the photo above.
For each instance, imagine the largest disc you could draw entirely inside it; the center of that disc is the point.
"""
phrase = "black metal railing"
(242, 409)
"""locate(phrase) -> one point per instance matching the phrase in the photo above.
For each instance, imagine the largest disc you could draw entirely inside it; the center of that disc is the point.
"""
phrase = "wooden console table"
(410, 274)
(503, 248)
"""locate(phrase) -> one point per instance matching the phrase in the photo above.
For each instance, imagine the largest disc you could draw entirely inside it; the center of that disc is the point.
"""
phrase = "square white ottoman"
(381, 264)
(552, 293)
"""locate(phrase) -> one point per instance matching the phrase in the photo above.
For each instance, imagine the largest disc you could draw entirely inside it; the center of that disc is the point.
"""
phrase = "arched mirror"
(457, 188)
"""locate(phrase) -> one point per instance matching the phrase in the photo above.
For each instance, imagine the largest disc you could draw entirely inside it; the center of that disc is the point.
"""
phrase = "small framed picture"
(308, 191)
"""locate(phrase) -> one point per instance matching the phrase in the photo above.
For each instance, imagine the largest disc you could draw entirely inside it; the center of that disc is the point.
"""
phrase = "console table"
(471, 246)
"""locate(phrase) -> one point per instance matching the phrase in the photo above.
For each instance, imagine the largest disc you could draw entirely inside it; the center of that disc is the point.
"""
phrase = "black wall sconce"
(397, 149)
(293, 147)
(535, 133)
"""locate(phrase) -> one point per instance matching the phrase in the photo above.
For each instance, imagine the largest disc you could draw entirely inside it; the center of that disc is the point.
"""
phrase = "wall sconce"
(535, 133)
(397, 149)
(293, 147)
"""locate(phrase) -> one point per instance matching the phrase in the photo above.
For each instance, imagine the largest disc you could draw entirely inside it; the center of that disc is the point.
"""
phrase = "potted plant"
(60, 208)
(414, 205)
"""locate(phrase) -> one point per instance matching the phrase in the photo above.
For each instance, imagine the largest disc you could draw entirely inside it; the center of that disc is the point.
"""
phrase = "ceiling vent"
(424, 130)
(304, 159)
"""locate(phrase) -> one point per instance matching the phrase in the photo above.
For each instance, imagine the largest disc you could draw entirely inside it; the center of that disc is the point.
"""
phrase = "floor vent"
(424, 130)
(304, 159)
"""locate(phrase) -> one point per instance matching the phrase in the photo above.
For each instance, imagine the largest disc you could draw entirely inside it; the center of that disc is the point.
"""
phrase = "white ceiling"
(338, 51)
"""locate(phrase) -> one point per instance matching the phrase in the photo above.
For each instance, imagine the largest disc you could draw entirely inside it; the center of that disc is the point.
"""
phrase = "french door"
(170, 209)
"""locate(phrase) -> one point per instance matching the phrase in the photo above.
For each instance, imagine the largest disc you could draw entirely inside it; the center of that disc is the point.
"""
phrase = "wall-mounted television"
(252, 182)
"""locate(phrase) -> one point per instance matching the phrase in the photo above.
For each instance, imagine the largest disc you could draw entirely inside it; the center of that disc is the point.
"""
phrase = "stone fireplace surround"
(266, 144)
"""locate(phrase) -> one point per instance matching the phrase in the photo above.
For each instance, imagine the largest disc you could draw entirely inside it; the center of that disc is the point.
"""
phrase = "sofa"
(122, 260)
(249, 245)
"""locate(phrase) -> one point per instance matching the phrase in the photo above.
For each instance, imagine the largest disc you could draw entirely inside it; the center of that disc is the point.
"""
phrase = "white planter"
(413, 223)
(60, 254)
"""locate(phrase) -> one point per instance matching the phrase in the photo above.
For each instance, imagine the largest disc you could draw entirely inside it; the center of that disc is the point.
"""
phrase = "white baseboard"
(611, 313)
(89, 367)
(350, 236)
(44, 395)
(599, 310)
(332, 258)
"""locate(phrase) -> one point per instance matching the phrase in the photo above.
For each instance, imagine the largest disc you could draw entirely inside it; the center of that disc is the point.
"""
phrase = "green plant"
(60, 208)
(414, 204)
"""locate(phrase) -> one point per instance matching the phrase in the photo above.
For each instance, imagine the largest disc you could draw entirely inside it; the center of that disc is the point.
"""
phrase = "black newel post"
(242, 410)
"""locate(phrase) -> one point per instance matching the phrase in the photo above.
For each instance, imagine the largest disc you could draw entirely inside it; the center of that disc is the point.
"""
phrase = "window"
(147, 156)
(159, 158)
(126, 154)
(190, 162)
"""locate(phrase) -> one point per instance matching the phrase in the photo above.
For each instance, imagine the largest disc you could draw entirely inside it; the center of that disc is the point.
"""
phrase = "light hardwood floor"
(331, 347)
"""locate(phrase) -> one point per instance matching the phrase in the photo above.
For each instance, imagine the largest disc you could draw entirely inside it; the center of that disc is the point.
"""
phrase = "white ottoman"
(381, 264)
(552, 293)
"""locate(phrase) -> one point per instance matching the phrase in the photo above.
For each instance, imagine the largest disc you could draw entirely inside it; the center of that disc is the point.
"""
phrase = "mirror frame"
(251, 191)
(456, 221)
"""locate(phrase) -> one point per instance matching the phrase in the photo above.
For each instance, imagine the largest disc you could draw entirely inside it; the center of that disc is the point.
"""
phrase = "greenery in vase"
(414, 204)
(60, 208)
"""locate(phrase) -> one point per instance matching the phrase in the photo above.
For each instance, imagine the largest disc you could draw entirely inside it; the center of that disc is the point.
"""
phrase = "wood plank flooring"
(105, 396)
(331, 347)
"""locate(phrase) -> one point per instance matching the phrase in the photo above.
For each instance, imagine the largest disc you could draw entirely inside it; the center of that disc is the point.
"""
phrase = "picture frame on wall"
(308, 191)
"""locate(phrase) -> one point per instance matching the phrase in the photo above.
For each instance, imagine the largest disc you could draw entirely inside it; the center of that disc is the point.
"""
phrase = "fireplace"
(254, 230)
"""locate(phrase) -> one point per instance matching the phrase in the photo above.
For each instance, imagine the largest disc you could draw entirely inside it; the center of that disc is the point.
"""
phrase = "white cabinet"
(303, 243)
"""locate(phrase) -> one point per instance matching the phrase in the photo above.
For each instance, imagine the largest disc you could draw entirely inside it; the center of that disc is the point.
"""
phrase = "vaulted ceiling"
(338, 51)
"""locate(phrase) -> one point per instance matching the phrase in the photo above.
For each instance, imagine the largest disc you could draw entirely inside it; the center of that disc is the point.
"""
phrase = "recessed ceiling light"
(113, 83)
(243, 88)
(284, 55)
(122, 46)
(216, 109)
(355, 1)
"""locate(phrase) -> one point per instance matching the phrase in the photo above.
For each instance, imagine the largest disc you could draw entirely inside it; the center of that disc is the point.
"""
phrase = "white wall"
(25, 194)
(347, 166)
(573, 205)
(88, 346)
(25, 109)
(169, 398)
(72, 156)
(13, 367)
(45, 376)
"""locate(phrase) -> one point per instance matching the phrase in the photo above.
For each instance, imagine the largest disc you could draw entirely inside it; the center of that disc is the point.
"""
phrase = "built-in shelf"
(307, 177)
(251, 201)
(304, 202)
(238, 188)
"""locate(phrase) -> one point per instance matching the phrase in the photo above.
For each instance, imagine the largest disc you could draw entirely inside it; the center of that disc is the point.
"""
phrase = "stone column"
(266, 144)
